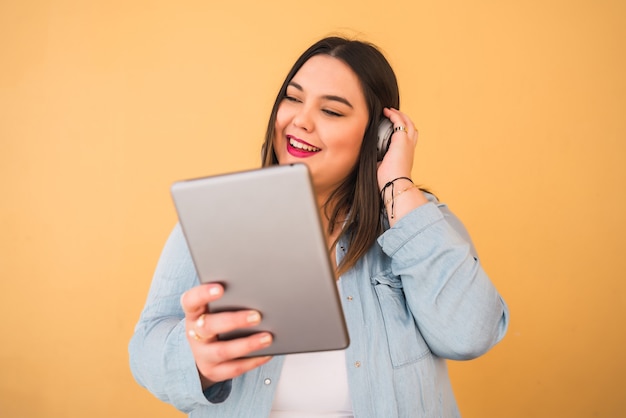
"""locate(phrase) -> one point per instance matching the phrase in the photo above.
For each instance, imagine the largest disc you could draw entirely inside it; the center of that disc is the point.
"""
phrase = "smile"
(301, 145)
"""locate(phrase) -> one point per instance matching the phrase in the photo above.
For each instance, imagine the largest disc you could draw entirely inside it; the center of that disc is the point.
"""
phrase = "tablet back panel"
(258, 233)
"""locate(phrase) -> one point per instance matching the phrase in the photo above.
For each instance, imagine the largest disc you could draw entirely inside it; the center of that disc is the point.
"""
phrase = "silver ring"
(400, 128)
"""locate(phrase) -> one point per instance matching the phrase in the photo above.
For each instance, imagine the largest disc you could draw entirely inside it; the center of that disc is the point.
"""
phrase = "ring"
(400, 128)
(194, 334)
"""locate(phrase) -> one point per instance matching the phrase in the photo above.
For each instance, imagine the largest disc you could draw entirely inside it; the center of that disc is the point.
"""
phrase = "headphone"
(385, 130)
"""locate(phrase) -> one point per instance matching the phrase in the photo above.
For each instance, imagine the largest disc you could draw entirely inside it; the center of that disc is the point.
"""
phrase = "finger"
(394, 115)
(197, 336)
(401, 122)
(399, 118)
(194, 301)
(210, 325)
(224, 351)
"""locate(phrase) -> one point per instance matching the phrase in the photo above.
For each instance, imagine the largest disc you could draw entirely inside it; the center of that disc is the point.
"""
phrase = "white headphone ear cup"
(385, 130)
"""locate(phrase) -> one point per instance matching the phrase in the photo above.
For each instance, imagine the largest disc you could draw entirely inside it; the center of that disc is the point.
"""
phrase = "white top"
(313, 385)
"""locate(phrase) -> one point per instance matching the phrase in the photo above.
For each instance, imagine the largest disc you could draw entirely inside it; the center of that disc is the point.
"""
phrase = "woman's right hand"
(220, 360)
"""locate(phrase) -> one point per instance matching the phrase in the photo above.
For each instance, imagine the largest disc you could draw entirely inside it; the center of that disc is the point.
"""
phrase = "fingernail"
(200, 321)
(266, 339)
(214, 291)
(253, 317)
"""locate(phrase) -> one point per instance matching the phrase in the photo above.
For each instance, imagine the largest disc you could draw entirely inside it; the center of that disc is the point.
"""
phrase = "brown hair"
(358, 195)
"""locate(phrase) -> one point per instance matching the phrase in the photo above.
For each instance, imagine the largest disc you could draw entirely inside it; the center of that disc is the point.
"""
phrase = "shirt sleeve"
(160, 356)
(455, 305)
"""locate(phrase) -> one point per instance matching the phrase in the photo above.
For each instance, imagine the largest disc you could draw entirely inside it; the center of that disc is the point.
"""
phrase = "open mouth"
(299, 146)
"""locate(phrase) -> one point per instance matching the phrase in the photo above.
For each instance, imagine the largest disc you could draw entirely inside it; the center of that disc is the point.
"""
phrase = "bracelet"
(392, 198)
(412, 186)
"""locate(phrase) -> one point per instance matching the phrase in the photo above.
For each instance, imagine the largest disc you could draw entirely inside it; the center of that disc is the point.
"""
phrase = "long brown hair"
(358, 195)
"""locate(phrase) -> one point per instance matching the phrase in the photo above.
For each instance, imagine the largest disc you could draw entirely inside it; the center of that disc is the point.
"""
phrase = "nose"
(303, 119)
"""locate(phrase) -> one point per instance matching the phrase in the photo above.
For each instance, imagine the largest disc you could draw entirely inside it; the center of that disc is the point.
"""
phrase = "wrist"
(393, 196)
(395, 183)
(394, 189)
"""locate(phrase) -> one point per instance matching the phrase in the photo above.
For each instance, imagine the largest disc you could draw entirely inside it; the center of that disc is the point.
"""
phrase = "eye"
(292, 99)
(331, 113)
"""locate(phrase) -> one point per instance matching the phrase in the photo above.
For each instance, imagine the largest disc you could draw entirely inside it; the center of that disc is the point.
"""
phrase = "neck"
(337, 227)
(325, 210)
(331, 236)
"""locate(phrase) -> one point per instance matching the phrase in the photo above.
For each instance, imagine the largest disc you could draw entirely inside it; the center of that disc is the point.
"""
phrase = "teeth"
(302, 146)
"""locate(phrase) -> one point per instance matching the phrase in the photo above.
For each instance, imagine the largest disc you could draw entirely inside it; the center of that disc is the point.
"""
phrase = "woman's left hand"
(398, 161)
(396, 167)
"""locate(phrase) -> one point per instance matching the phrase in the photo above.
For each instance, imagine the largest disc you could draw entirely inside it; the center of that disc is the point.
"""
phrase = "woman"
(413, 290)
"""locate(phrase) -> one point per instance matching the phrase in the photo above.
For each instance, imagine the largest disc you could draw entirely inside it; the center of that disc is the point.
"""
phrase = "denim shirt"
(417, 298)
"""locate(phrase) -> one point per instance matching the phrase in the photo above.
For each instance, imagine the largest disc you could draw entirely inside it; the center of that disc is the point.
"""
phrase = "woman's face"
(321, 121)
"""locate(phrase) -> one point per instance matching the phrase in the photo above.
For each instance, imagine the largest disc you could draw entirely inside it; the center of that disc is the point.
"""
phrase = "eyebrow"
(327, 96)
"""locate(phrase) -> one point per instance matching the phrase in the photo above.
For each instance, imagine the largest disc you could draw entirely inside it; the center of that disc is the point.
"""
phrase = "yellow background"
(103, 104)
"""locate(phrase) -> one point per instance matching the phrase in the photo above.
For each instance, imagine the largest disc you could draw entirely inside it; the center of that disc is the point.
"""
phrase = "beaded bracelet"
(392, 198)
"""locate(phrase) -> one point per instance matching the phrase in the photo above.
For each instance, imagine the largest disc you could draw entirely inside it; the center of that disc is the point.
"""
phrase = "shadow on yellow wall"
(104, 104)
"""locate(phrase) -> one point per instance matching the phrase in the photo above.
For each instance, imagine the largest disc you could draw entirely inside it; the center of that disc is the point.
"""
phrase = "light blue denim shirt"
(417, 298)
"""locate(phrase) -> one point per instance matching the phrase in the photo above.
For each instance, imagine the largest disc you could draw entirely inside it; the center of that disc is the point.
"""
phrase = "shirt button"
(268, 381)
(349, 298)
(357, 364)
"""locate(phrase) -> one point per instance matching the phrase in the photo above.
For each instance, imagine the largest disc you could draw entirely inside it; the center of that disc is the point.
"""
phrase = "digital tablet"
(258, 233)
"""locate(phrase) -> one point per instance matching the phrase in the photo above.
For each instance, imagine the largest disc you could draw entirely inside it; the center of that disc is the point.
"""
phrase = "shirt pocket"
(406, 344)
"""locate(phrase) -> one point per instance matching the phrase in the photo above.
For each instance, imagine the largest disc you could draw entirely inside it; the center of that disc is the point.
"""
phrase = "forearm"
(457, 308)
(160, 356)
